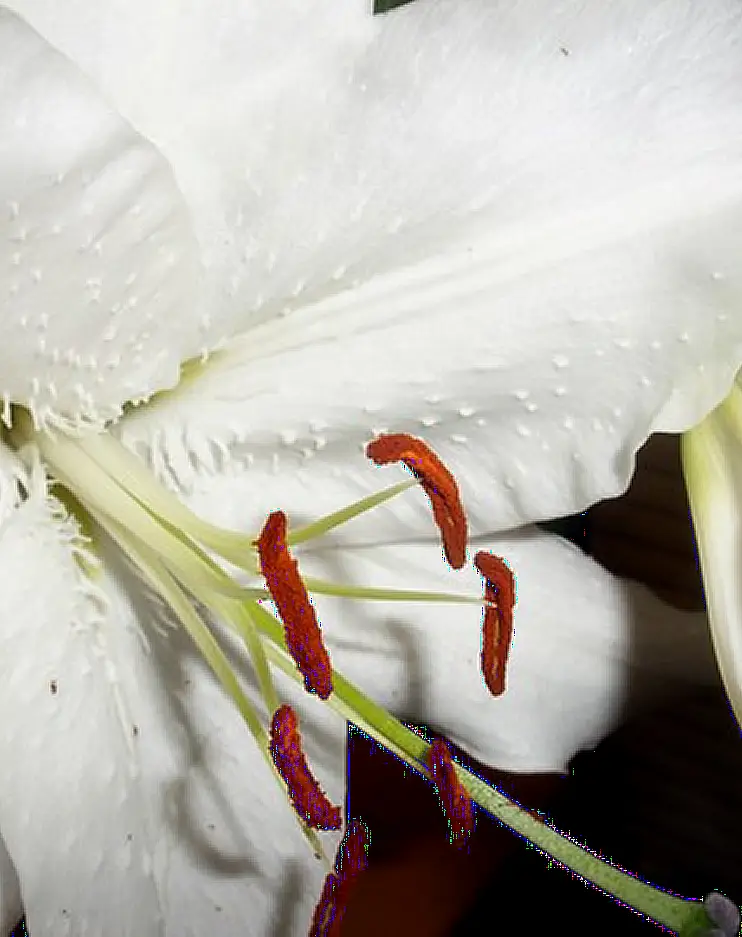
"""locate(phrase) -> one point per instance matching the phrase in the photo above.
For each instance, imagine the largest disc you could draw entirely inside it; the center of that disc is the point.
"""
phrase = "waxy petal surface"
(534, 216)
(248, 102)
(98, 264)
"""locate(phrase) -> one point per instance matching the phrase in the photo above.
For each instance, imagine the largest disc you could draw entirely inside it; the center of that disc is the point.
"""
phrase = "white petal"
(138, 804)
(586, 643)
(248, 101)
(547, 257)
(70, 811)
(230, 857)
(98, 265)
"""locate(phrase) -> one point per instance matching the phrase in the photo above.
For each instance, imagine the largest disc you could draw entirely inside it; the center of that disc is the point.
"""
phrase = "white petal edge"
(712, 465)
(98, 265)
(586, 644)
(551, 300)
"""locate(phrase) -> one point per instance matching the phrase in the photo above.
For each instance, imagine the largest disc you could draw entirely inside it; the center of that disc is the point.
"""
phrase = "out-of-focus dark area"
(384, 6)
(661, 797)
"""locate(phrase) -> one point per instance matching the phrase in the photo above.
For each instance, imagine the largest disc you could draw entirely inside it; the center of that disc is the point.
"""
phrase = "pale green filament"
(168, 543)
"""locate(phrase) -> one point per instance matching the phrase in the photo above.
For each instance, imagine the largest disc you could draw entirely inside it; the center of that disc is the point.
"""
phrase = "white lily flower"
(510, 230)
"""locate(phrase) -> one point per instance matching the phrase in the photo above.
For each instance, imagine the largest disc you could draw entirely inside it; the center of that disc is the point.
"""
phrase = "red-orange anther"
(303, 634)
(308, 798)
(329, 912)
(437, 483)
(455, 801)
(349, 861)
(497, 625)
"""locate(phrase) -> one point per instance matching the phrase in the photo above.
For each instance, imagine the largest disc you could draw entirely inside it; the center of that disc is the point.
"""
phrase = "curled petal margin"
(497, 625)
(307, 797)
(456, 803)
(437, 483)
(303, 633)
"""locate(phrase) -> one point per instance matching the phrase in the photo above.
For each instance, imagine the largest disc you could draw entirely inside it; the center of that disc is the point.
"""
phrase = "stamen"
(497, 626)
(307, 797)
(349, 861)
(457, 804)
(329, 911)
(437, 483)
(303, 634)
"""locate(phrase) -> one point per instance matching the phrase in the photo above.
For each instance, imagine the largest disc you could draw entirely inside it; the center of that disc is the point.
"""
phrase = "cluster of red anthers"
(442, 490)
(349, 861)
(308, 798)
(305, 644)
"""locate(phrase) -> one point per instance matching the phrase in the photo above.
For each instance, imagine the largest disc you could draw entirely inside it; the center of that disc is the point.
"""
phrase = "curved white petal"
(542, 207)
(133, 801)
(248, 101)
(712, 465)
(98, 264)
(586, 643)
